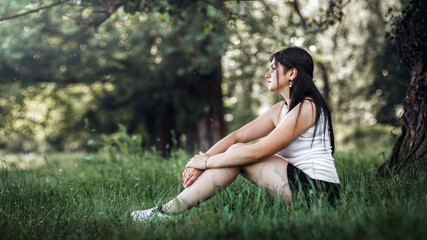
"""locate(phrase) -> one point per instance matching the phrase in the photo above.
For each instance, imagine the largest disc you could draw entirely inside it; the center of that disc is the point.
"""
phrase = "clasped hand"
(194, 169)
(198, 161)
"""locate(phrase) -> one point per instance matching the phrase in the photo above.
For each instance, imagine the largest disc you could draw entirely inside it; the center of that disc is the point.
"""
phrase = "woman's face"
(276, 71)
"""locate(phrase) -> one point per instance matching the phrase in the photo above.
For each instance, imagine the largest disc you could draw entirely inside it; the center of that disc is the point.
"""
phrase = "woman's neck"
(285, 94)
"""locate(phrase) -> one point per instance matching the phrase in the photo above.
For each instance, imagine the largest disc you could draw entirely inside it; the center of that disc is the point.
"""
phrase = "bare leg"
(269, 173)
(206, 186)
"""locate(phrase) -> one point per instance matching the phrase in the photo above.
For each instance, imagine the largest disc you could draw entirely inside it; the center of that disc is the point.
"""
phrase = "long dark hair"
(303, 85)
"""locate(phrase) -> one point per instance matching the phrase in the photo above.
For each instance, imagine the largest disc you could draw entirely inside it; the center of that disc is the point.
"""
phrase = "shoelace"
(160, 210)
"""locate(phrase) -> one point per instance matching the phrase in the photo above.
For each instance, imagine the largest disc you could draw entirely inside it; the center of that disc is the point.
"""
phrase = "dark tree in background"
(409, 153)
(161, 59)
(73, 70)
(389, 80)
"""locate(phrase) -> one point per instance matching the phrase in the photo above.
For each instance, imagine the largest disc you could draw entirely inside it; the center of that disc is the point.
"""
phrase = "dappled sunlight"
(27, 161)
(374, 139)
(104, 103)
(77, 84)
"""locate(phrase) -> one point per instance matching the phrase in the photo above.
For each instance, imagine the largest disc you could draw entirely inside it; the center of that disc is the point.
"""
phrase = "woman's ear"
(293, 73)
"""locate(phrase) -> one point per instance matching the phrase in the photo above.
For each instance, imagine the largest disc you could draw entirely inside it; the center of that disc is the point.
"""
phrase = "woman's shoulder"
(307, 109)
(277, 110)
(308, 102)
(278, 106)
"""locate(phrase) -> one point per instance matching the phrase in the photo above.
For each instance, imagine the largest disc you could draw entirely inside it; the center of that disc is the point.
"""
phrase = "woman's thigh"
(270, 173)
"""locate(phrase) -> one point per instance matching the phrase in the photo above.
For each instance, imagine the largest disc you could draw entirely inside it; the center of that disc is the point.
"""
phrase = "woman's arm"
(290, 128)
(255, 129)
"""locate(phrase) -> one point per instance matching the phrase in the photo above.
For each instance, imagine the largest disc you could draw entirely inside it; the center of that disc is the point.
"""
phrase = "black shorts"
(302, 186)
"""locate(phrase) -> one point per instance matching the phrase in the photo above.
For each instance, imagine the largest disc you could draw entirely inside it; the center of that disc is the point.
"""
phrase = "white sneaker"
(149, 214)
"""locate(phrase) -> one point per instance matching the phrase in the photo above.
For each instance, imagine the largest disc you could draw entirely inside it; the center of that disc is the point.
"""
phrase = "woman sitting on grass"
(294, 156)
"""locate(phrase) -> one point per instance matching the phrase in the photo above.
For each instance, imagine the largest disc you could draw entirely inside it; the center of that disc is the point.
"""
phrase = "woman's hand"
(198, 161)
(190, 175)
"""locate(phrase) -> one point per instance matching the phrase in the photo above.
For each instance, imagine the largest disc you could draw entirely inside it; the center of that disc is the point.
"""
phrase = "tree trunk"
(409, 152)
(325, 78)
(160, 122)
(210, 126)
(164, 125)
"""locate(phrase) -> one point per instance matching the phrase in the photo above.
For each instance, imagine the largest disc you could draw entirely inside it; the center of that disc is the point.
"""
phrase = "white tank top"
(314, 158)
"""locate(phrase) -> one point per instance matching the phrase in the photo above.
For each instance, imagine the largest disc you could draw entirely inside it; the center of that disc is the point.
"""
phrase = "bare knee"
(235, 146)
(221, 176)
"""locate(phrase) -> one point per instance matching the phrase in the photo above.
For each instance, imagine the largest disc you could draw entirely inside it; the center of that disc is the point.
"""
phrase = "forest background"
(103, 102)
(182, 74)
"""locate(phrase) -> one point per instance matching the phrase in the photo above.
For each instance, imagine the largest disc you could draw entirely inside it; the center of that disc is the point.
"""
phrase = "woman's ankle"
(174, 206)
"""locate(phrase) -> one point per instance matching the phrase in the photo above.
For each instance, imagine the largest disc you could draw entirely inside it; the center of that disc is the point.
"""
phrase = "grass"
(90, 196)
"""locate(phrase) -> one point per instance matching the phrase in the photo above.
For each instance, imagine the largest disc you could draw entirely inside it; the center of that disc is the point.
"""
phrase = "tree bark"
(325, 78)
(409, 152)
(203, 108)
(211, 127)
(164, 125)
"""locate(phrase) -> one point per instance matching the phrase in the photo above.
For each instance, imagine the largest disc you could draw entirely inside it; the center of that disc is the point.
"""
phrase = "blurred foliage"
(129, 70)
(76, 71)
(376, 139)
(357, 67)
(118, 144)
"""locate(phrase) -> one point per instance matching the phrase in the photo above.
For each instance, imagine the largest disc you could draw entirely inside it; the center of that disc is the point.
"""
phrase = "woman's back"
(312, 155)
